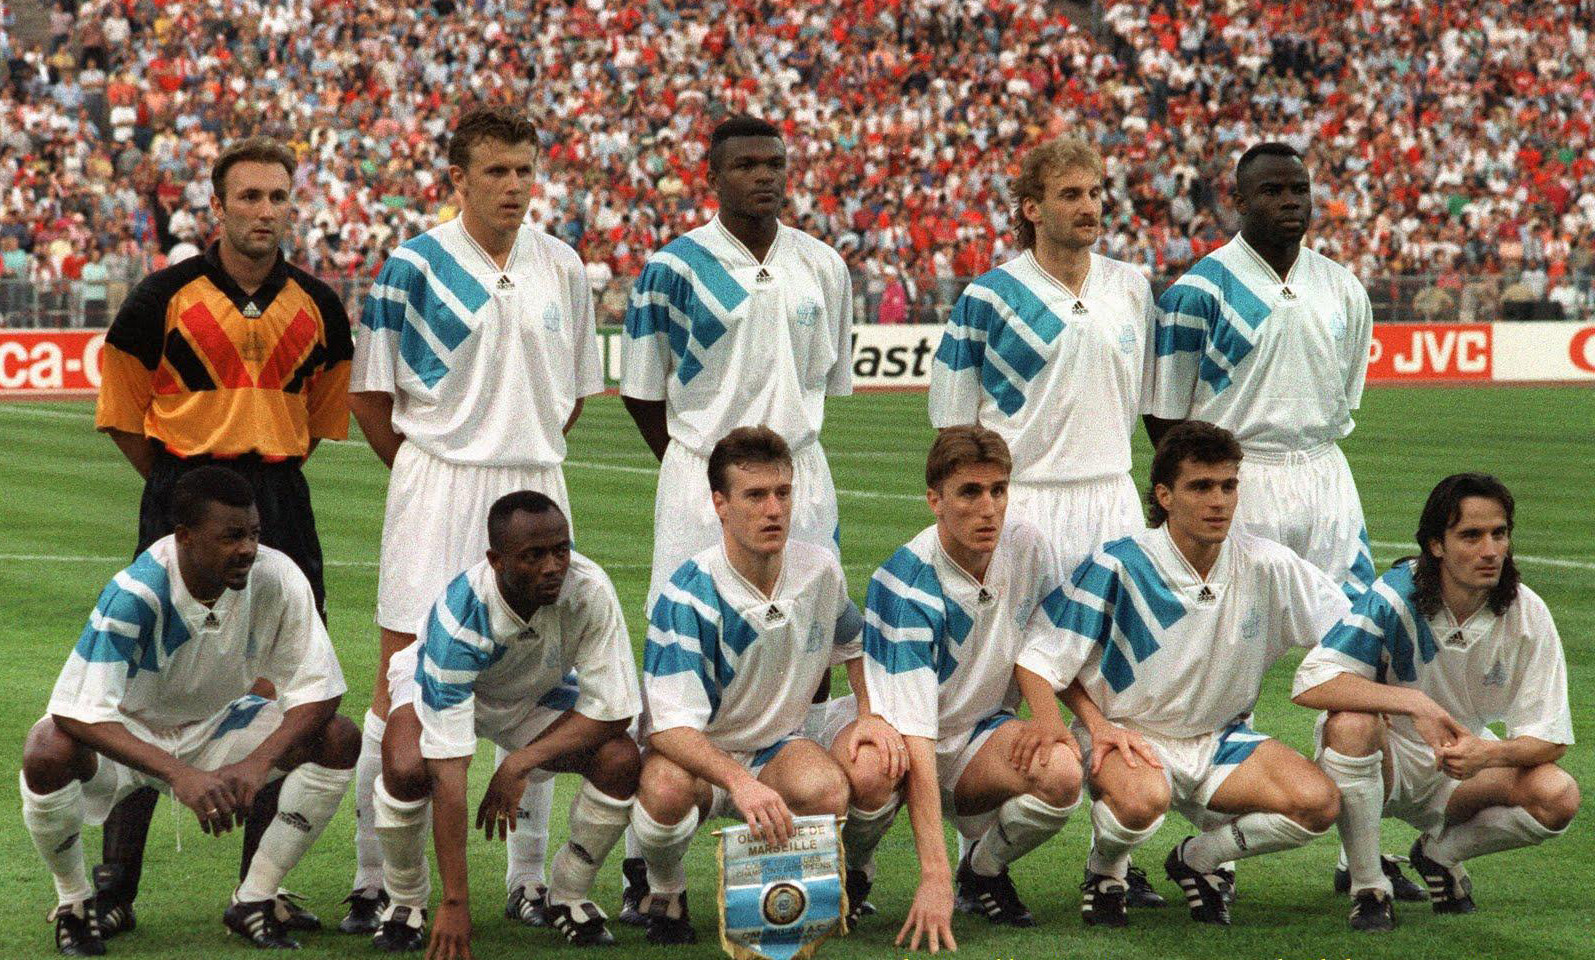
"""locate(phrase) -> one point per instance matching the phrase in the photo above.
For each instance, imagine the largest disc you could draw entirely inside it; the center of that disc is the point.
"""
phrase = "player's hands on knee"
(1132, 745)
(245, 777)
(763, 810)
(873, 730)
(210, 796)
(1033, 744)
(931, 917)
(1464, 757)
(451, 933)
(501, 806)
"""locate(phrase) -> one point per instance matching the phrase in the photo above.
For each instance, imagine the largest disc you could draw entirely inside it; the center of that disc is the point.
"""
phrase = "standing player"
(738, 640)
(1166, 637)
(477, 349)
(1053, 350)
(1269, 340)
(945, 618)
(741, 321)
(1443, 645)
(157, 691)
(494, 662)
(234, 357)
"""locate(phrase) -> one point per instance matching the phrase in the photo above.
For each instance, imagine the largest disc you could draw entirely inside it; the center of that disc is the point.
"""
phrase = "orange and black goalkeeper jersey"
(197, 364)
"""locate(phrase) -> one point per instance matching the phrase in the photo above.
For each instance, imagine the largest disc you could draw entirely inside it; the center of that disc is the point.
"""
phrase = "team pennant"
(781, 902)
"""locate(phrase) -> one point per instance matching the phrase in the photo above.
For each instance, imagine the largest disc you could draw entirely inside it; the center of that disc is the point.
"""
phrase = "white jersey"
(1279, 363)
(1158, 647)
(479, 661)
(485, 365)
(1491, 669)
(939, 646)
(153, 654)
(1061, 377)
(727, 341)
(740, 666)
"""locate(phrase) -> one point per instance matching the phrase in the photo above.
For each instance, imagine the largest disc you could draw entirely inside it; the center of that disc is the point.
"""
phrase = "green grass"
(67, 508)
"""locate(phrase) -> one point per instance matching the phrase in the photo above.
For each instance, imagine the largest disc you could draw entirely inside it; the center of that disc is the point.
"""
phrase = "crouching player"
(1442, 645)
(945, 618)
(739, 639)
(528, 648)
(1166, 637)
(156, 693)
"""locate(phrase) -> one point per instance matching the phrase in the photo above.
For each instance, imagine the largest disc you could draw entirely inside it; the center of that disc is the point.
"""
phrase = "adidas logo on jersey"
(1206, 595)
(1496, 677)
(773, 616)
(1457, 639)
(763, 276)
(504, 282)
(1287, 293)
(211, 619)
(1079, 308)
(985, 597)
(251, 311)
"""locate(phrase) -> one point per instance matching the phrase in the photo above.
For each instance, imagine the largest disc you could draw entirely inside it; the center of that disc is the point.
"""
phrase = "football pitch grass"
(67, 521)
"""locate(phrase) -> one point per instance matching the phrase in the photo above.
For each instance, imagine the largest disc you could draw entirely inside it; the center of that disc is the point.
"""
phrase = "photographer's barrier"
(65, 363)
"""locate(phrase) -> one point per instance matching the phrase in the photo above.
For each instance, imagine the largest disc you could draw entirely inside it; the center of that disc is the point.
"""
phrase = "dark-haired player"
(476, 348)
(157, 691)
(1444, 644)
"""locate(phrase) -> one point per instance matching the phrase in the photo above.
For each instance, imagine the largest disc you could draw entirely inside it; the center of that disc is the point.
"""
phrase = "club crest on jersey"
(1286, 293)
(551, 317)
(816, 636)
(1079, 309)
(773, 616)
(1252, 626)
(1127, 339)
(1337, 325)
(1496, 677)
(808, 311)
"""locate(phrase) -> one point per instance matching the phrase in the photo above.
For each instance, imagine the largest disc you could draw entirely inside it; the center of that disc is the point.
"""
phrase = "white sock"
(311, 794)
(1112, 842)
(1491, 830)
(664, 847)
(1362, 802)
(633, 847)
(1023, 823)
(55, 821)
(814, 720)
(527, 846)
(596, 822)
(1250, 835)
(863, 831)
(367, 848)
(401, 826)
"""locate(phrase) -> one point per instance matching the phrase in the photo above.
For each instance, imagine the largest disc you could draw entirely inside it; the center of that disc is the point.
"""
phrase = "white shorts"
(436, 525)
(1079, 517)
(227, 737)
(1417, 792)
(685, 522)
(753, 761)
(511, 726)
(954, 752)
(1195, 767)
(1308, 501)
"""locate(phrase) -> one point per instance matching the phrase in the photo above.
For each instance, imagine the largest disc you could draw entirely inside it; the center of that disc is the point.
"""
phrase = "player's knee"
(1314, 801)
(51, 759)
(1353, 734)
(617, 767)
(821, 789)
(665, 790)
(1553, 797)
(1140, 809)
(404, 777)
(340, 743)
(1058, 783)
(870, 784)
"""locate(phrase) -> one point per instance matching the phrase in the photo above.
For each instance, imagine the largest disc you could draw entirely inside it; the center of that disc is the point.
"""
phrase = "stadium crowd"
(1454, 148)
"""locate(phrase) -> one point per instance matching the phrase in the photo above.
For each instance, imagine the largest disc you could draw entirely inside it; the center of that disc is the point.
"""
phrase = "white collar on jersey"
(983, 591)
(502, 618)
(1215, 577)
(1268, 268)
(769, 255)
(1057, 282)
(759, 595)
